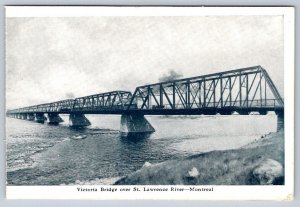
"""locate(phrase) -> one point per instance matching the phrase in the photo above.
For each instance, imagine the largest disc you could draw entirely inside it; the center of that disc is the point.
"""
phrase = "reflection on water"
(42, 154)
(134, 137)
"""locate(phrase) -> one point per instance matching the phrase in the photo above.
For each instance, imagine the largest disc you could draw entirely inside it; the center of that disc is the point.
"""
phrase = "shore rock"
(147, 164)
(193, 172)
(268, 172)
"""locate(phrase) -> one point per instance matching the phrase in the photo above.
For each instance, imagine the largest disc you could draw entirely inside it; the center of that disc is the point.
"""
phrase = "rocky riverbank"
(258, 163)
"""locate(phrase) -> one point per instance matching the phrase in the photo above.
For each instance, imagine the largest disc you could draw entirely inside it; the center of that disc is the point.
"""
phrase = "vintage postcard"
(187, 103)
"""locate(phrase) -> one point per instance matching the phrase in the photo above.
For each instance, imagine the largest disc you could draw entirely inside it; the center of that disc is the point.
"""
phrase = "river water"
(42, 154)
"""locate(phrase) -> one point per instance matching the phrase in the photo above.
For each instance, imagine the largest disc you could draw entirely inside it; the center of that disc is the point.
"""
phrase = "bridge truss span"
(110, 102)
(63, 106)
(236, 90)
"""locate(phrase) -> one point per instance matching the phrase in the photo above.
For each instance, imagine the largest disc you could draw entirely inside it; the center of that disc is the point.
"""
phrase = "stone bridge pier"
(54, 118)
(30, 117)
(40, 117)
(78, 120)
(23, 116)
(280, 120)
(135, 123)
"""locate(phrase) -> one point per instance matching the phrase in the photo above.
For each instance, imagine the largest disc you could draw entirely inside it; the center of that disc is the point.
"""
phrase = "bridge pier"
(40, 117)
(30, 117)
(54, 118)
(280, 120)
(135, 123)
(24, 116)
(78, 120)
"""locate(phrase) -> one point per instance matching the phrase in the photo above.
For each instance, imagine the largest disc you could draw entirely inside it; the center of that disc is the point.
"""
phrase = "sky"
(51, 59)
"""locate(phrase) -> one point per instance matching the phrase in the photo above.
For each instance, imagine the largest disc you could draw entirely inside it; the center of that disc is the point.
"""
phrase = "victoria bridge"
(240, 91)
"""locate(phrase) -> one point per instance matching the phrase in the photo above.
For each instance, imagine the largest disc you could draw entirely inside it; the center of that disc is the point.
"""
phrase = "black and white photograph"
(180, 101)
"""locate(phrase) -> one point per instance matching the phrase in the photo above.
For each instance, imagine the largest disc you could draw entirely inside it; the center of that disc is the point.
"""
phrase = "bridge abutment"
(135, 123)
(78, 120)
(40, 117)
(54, 118)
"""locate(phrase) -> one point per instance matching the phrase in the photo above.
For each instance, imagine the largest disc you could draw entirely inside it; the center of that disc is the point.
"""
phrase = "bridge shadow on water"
(78, 129)
(135, 137)
(53, 124)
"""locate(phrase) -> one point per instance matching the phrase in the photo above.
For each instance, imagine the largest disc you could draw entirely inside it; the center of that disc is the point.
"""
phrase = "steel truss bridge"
(242, 91)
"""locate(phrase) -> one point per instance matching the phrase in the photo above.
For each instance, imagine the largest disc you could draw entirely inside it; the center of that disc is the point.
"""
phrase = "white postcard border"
(219, 192)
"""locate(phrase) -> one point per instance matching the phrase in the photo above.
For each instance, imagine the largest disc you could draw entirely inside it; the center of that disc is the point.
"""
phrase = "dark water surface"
(42, 154)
